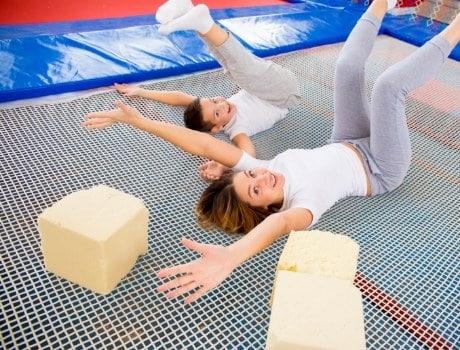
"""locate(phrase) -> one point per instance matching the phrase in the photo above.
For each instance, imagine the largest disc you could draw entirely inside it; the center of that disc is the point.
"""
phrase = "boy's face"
(217, 111)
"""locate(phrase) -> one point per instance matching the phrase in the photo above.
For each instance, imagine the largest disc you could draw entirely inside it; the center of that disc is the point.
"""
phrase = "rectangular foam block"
(320, 253)
(314, 302)
(313, 312)
(93, 237)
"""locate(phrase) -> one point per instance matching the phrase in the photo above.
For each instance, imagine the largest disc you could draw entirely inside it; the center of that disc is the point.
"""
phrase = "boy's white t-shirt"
(314, 179)
(253, 115)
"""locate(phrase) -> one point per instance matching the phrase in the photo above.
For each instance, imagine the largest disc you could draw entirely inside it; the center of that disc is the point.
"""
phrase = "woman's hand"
(205, 273)
(123, 114)
(127, 90)
(212, 170)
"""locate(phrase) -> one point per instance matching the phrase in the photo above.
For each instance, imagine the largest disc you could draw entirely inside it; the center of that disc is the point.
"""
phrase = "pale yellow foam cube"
(320, 253)
(312, 312)
(93, 237)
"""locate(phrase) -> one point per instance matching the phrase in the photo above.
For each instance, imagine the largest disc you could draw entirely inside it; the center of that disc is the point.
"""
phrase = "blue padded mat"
(45, 59)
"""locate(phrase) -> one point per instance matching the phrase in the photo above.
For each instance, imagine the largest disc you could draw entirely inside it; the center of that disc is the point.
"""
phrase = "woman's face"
(259, 187)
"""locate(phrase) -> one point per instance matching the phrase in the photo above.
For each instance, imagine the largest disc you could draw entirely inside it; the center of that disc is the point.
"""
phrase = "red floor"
(33, 11)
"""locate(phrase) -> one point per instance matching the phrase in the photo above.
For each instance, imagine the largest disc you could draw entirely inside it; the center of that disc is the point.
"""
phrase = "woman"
(369, 154)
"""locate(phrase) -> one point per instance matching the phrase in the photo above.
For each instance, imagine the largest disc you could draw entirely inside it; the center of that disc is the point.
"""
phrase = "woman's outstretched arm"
(217, 262)
(191, 141)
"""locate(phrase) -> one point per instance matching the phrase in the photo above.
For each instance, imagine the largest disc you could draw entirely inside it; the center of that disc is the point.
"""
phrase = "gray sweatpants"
(379, 129)
(262, 78)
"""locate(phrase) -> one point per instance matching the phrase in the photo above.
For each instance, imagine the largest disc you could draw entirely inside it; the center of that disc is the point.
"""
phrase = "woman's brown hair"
(220, 207)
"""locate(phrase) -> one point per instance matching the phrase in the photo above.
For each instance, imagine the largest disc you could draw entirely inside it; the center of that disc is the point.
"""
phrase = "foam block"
(93, 237)
(315, 312)
(320, 253)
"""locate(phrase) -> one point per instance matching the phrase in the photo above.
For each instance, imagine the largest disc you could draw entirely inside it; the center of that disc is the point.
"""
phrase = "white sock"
(172, 9)
(198, 19)
(391, 4)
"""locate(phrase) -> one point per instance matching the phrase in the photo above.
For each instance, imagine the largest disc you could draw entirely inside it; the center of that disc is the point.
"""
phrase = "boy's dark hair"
(193, 117)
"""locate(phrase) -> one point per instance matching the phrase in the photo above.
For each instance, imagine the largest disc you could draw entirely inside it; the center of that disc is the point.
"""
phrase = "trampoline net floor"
(409, 239)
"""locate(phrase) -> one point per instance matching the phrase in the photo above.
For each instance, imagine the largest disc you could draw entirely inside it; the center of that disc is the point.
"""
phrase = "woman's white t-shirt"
(314, 179)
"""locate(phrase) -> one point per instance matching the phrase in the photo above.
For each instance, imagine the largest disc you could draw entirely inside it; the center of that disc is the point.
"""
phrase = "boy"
(267, 89)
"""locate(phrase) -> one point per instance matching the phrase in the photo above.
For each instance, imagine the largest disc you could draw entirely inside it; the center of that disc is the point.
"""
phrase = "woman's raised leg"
(389, 139)
(351, 105)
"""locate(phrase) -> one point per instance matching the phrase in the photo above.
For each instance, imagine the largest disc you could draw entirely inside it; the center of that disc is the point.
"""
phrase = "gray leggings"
(262, 78)
(379, 129)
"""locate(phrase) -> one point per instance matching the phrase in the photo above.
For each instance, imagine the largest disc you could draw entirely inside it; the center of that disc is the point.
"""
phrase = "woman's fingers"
(126, 113)
(204, 273)
(198, 294)
(123, 107)
(96, 122)
(193, 245)
(182, 290)
(182, 285)
(177, 282)
(99, 120)
(175, 270)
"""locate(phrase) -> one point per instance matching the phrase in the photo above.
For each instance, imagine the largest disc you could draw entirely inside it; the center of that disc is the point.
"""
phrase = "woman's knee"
(391, 178)
(389, 83)
(347, 70)
(384, 184)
